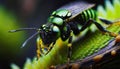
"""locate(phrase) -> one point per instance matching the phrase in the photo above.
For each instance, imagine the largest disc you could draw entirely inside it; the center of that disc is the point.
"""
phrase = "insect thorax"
(58, 17)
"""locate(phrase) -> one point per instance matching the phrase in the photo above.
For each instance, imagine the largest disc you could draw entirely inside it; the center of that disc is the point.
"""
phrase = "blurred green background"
(16, 14)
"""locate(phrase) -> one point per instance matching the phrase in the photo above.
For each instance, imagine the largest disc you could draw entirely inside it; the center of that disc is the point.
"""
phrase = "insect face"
(49, 33)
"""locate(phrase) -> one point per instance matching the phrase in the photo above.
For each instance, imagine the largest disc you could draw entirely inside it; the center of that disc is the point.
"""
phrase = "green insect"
(72, 18)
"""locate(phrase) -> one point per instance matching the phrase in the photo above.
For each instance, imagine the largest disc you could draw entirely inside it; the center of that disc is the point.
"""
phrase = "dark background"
(31, 13)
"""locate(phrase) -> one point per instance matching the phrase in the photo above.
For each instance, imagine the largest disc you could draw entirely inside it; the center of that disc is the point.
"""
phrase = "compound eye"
(56, 29)
(58, 21)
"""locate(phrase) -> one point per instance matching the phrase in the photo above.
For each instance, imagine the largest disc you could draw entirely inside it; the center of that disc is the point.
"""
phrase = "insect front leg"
(38, 50)
(49, 49)
(67, 34)
(69, 50)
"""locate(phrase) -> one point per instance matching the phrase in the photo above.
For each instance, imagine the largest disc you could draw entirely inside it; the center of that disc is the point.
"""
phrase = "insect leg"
(49, 49)
(99, 26)
(105, 21)
(69, 50)
(38, 51)
(117, 39)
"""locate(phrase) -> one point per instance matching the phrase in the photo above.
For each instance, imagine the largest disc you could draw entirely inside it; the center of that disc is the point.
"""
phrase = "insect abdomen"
(81, 19)
(85, 16)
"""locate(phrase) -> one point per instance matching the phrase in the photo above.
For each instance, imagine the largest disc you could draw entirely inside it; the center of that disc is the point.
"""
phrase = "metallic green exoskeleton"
(72, 18)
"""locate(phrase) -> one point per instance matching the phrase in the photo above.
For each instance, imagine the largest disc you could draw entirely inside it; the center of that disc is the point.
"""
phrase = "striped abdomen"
(81, 19)
(85, 16)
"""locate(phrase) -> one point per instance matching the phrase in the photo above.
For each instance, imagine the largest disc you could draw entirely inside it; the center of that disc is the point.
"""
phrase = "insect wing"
(77, 7)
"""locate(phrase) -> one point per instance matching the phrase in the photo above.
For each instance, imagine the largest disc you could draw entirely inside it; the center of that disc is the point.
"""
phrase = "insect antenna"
(26, 41)
(21, 29)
